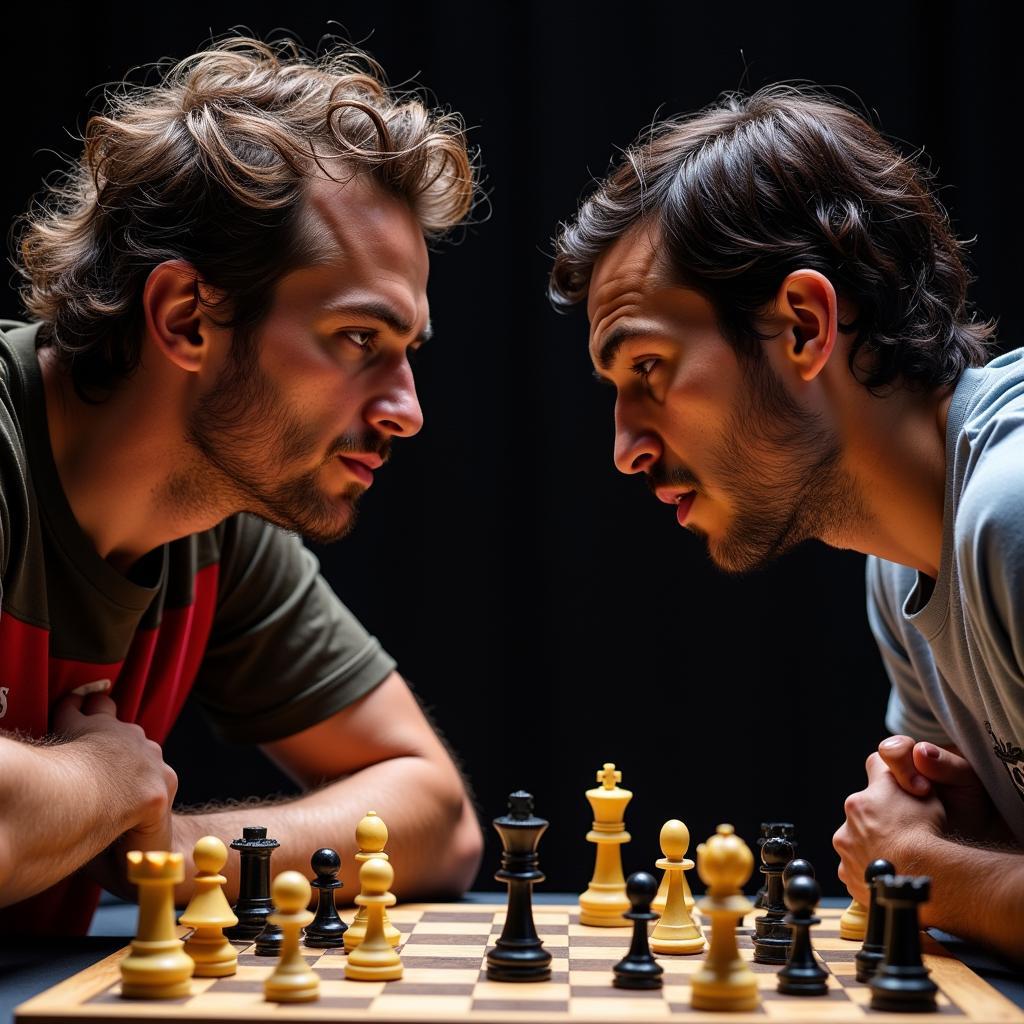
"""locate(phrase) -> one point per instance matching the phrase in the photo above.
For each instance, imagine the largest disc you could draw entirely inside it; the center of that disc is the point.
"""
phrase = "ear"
(806, 304)
(174, 317)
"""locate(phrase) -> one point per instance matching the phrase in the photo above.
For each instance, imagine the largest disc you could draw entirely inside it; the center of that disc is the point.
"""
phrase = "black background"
(549, 612)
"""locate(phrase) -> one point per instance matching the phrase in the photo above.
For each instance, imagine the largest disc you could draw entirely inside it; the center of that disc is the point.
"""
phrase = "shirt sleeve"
(908, 713)
(284, 652)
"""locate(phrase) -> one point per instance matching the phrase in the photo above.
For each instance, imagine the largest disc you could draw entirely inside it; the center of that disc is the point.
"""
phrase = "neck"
(119, 461)
(895, 452)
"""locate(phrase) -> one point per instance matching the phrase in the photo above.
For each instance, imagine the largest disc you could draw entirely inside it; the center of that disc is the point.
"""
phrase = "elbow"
(462, 849)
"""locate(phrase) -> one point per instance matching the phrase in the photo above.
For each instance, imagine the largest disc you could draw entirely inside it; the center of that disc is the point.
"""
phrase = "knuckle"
(872, 761)
(851, 805)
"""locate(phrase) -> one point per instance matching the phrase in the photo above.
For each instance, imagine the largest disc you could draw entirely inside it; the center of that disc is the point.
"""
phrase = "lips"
(359, 469)
(683, 507)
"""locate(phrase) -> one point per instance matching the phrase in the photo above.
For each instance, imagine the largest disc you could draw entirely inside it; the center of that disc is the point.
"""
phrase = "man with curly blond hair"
(776, 296)
(225, 292)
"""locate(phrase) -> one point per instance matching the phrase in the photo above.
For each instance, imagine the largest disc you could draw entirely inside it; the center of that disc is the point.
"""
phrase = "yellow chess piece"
(371, 838)
(158, 966)
(725, 982)
(374, 959)
(854, 922)
(293, 980)
(658, 903)
(605, 901)
(209, 913)
(676, 933)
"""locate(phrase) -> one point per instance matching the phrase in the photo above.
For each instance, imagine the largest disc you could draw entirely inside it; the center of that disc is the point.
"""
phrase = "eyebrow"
(614, 340)
(385, 314)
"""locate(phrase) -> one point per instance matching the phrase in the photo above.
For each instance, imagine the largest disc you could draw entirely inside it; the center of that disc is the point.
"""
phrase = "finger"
(96, 686)
(98, 704)
(943, 766)
(898, 754)
(879, 773)
(66, 713)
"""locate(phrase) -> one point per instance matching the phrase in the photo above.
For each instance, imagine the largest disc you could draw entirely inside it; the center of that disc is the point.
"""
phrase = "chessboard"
(443, 947)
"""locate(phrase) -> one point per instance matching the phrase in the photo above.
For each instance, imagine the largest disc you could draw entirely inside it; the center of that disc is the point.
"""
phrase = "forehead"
(362, 237)
(630, 268)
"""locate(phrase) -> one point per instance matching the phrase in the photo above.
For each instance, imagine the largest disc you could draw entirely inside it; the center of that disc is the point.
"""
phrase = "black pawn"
(901, 983)
(326, 930)
(519, 954)
(771, 933)
(871, 954)
(769, 829)
(254, 904)
(797, 866)
(802, 975)
(638, 968)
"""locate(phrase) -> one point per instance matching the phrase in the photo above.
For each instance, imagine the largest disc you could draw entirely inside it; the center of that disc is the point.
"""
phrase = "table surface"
(30, 966)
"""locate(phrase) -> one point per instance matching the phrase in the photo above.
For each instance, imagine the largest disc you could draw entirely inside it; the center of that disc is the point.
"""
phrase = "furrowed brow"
(613, 341)
(385, 314)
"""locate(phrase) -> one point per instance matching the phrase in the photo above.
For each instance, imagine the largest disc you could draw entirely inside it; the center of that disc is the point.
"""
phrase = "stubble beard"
(246, 439)
(781, 466)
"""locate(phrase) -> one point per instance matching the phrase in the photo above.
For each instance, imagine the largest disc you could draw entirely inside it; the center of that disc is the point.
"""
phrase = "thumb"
(943, 766)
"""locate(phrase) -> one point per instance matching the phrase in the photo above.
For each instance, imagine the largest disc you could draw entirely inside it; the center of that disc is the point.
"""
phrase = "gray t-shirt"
(955, 651)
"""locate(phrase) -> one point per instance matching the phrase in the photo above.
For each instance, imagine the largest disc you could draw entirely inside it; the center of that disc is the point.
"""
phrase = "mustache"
(661, 476)
(362, 444)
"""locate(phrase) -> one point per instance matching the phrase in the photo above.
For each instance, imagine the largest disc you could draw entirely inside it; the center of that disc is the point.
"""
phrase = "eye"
(644, 367)
(361, 339)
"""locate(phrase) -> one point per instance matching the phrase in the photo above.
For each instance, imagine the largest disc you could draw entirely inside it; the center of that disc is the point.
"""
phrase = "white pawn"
(374, 959)
(293, 980)
(658, 903)
(676, 933)
(209, 913)
(371, 838)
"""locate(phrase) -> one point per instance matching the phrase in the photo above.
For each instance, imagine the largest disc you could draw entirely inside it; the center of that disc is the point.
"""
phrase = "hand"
(131, 769)
(884, 820)
(924, 769)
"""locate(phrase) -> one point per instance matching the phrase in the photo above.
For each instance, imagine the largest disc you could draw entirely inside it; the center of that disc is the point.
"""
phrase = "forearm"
(434, 840)
(55, 815)
(977, 894)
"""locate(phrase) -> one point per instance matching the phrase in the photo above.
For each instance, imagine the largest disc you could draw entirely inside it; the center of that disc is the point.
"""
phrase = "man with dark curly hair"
(777, 298)
(226, 291)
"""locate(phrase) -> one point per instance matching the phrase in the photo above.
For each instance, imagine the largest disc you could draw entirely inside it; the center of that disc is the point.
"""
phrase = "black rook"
(901, 983)
(254, 904)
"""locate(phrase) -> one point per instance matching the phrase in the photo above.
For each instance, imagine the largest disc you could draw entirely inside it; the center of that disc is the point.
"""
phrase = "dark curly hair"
(752, 188)
(209, 166)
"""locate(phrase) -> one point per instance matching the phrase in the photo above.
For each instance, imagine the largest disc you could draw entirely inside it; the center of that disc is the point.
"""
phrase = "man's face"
(296, 423)
(717, 435)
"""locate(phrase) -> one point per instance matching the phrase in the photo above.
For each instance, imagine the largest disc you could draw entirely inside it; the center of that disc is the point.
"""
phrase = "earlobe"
(174, 314)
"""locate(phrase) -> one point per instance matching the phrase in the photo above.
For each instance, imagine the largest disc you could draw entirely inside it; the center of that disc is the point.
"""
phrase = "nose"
(396, 411)
(636, 449)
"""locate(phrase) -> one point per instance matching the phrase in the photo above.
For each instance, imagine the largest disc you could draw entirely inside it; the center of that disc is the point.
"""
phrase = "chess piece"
(208, 913)
(254, 904)
(802, 975)
(872, 953)
(725, 981)
(327, 930)
(676, 933)
(371, 838)
(375, 958)
(658, 905)
(268, 942)
(771, 933)
(786, 830)
(605, 900)
(854, 921)
(901, 983)
(519, 954)
(797, 866)
(157, 966)
(638, 968)
(292, 980)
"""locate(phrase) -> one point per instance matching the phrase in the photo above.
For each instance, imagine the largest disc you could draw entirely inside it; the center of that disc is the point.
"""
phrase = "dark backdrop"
(548, 611)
